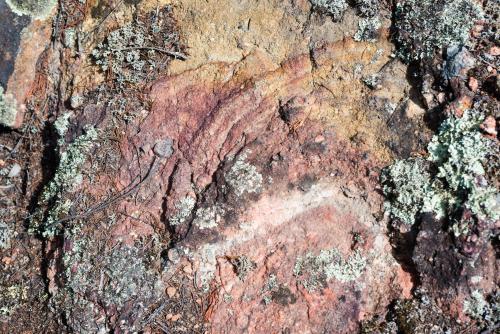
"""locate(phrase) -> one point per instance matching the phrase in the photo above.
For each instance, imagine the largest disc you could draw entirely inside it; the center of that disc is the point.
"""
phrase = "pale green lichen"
(458, 152)
(8, 110)
(244, 177)
(271, 286)
(38, 9)
(184, 208)
(70, 36)
(367, 8)
(426, 26)
(335, 8)
(61, 126)
(476, 306)
(406, 186)
(66, 178)
(316, 270)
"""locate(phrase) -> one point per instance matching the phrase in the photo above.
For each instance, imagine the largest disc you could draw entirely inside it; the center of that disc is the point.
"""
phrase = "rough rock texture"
(316, 189)
(233, 189)
(22, 43)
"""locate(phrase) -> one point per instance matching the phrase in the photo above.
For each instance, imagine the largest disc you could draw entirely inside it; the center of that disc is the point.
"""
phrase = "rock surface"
(235, 188)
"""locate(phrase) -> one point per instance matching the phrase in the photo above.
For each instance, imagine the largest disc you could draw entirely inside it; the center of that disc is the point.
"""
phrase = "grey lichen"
(367, 8)
(242, 266)
(316, 270)
(76, 101)
(367, 29)
(476, 306)
(335, 8)
(485, 312)
(425, 26)
(131, 52)
(11, 298)
(61, 126)
(38, 9)
(67, 177)
(5, 235)
(244, 177)
(406, 186)
(119, 278)
(8, 110)
(458, 152)
(184, 209)
(372, 81)
(208, 217)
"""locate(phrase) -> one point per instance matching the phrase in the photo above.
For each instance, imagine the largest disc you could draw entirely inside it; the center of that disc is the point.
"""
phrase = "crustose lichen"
(316, 270)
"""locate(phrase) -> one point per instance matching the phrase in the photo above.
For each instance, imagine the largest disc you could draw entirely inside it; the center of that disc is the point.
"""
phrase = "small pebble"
(163, 148)
(473, 84)
(14, 171)
(495, 51)
(171, 291)
(173, 255)
(187, 269)
(76, 101)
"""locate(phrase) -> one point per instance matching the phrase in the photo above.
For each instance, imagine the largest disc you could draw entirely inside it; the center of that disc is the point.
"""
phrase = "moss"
(426, 26)
(316, 270)
(8, 109)
(38, 9)
(334, 8)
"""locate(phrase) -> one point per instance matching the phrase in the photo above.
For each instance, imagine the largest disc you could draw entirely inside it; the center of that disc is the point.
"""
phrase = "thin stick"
(124, 193)
(168, 52)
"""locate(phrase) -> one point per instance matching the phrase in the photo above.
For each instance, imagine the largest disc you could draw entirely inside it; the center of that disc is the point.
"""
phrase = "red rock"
(489, 126)
(473, 84)
(317, 188)
(494, 51)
